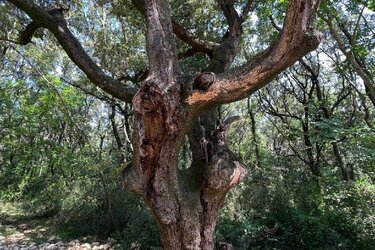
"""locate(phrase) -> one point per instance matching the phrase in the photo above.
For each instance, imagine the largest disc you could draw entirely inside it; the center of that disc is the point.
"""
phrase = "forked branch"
(297, 38)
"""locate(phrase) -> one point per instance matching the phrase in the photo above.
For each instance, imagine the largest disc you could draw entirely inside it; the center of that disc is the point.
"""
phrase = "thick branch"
(57, 25)
(297, 39)
(160, 45)
(196, 43)
(188, 53)
(227, 169)
(27, 33)
(234, 20)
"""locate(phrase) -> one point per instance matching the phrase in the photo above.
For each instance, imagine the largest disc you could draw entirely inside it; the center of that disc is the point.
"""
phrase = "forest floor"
(20, 232)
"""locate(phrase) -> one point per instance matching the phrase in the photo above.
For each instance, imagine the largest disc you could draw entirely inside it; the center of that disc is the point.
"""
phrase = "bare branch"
(247, 9)
(86, 91)
(28, 33)
(196, 43)
(188, 53)
(55, 23)
(135, 78)
(274, 24)
(352, 59)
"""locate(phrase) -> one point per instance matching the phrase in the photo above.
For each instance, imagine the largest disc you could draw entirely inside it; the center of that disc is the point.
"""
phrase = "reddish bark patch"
(149, 106)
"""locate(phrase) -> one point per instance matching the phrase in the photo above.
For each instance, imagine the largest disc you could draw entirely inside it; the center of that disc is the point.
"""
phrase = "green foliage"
(300, 214)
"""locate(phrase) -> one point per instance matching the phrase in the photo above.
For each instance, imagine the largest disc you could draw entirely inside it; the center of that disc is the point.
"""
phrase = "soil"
(34, 234)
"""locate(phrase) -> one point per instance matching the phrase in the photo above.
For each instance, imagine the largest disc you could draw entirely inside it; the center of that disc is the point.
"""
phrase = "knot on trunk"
(204, 81)
(226, 171)
(149, 100)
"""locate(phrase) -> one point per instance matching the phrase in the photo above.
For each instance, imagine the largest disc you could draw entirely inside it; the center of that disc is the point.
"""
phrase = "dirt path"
(38, 234)
(23, 238)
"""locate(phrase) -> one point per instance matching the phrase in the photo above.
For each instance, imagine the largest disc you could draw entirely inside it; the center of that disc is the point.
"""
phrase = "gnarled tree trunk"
(186, 203)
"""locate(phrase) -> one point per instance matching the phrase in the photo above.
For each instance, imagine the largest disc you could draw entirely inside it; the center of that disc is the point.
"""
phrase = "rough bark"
(297, 39)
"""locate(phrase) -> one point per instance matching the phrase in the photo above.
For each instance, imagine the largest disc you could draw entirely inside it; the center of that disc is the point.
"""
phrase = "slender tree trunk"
(254, 134)
(345, 173)
(353, 60)
(312, 160)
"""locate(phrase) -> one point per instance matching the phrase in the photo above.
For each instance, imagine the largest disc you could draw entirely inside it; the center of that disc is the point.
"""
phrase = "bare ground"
(33, 234)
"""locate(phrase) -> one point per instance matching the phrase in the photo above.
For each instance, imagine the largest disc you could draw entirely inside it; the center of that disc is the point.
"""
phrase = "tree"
(170, 105)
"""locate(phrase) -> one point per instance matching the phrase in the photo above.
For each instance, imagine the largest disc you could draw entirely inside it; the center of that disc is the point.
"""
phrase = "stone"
(86, 246)
(105, 246)
(50, 247)
(59, 243)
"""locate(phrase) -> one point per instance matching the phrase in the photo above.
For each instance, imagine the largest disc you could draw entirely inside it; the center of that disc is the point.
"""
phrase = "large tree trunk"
(185, 203)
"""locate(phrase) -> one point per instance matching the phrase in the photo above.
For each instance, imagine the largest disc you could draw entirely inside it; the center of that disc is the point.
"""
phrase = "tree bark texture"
(167, 108)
